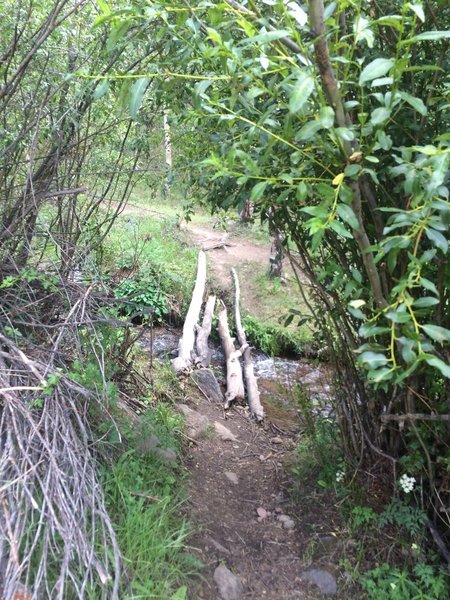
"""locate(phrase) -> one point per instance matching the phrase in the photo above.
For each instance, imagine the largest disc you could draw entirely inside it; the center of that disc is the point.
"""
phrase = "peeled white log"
(235, 382)
(183, 362)
(254, 402)
(201, 343)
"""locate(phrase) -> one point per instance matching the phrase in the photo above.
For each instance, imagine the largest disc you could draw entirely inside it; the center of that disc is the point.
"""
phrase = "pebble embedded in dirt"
(286, 521)
(224, 433)
(324, 580)
(276, 440)
(262, 513)
(232, 477)
(229, 586)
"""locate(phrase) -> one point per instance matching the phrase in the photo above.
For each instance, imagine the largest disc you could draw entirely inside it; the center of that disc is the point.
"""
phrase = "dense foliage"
(333, 120)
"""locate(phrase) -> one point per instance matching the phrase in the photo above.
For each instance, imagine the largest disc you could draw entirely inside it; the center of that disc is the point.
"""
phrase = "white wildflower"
(407, 483)
(340, 476)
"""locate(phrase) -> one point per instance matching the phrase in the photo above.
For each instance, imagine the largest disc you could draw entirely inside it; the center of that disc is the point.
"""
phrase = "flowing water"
(284, 383)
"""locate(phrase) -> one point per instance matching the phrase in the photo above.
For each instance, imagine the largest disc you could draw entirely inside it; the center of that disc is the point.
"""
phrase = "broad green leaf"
(340, 229)
(418, 10)
(416, 103)
(377, 68)
(326, 115)
(370, 329)
(258, 190)
(380, 115)
(407, 346)
(398, 317)
(373, 359)
(430, 35)
(338, 179)
(380, 375)
(180, 594)
(269, 36)
(425, 302)
(101, 89)
(301, 92)
(345, 134)
(437, 333)
(308, 131)
(347, 215)
(214, 36)
(437, 239)
(429, 285)
(443, 367)
(352, 170)
(137, 93)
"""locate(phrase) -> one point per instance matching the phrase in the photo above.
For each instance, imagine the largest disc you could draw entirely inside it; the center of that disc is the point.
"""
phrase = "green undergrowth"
(380, 542)
(277, 340)
(151, 266)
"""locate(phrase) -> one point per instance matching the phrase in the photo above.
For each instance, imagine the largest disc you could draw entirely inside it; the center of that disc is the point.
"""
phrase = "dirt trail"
(238, 496)
(238, 499)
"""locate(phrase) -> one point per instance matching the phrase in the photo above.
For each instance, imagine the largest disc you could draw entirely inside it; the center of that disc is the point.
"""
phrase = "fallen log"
(201, 343)
(254, 402)
(183, 362)
(235, 382)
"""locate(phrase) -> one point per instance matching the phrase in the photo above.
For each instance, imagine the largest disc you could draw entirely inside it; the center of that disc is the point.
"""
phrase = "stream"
(284, 383)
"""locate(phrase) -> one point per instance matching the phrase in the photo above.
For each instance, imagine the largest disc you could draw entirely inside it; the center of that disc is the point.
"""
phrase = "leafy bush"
(274, 340)
(144, 297)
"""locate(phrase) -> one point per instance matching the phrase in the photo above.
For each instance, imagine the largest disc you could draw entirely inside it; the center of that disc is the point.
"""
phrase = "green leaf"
(398, 317)
(180, 594)
(373, 359)
(301, 92)
(434, 361)
(380, 375)
(437, 333)
(352, 170)
(269, 36)
(347, 215)
(101, 89)
(425, 302)
(380, 115)
(429, 285)
(308, 131)
(377, 68)
(370, 329)
(418, 10)
(437, 239)
(326, 115)
(430, 35)
(345, 134)
(416, 103)
(137, 93)
(340, 229)
(258, 190)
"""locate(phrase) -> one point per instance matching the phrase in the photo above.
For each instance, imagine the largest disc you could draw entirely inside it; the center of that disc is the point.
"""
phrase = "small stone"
(276, 440)
(232, 477)
(324, 580)
(289, 524)
(262, 513)
(283, 518)
(224, 433)
(229, 586)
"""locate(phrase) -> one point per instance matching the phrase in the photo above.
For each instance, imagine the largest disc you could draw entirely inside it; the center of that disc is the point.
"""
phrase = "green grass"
(144, 496)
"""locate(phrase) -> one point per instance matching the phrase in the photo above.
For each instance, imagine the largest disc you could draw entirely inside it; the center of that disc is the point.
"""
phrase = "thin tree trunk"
(235, 382)
(183, 362)
(254, 403)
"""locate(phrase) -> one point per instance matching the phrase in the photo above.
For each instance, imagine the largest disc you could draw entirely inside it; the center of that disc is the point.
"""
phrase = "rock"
(232, 477)
(207, 382)
(286, 521)
(229, 586)
(224, 433)
(324, 580)
(276, 440)
(196, 424)
(262, 513)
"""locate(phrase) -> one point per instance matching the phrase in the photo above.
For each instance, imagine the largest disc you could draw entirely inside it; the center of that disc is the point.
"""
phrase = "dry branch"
(254, 402)
(235, 383)
(201, 343)
(414, 417)
(183, 362)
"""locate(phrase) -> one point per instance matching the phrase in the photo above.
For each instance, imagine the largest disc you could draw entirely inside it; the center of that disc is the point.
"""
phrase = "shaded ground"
(237, 494)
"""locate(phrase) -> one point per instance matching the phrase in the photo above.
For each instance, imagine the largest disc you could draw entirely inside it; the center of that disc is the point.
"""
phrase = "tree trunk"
(235, 383)
(276, 255)
(254, 403)
(183, 362)
(201, 343)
